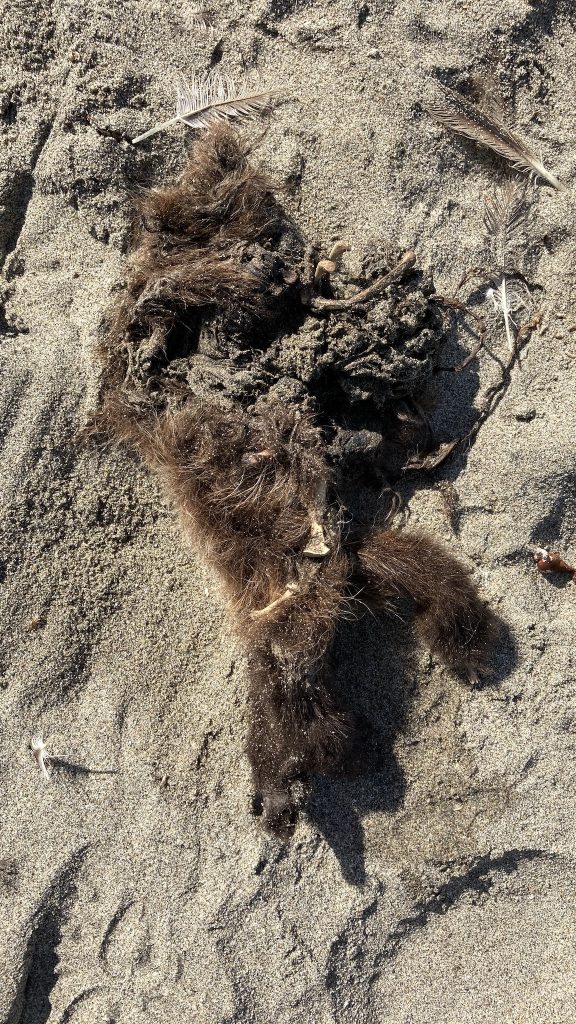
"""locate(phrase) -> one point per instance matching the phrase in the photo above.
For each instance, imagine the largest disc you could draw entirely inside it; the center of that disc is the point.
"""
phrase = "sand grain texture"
(135, 886)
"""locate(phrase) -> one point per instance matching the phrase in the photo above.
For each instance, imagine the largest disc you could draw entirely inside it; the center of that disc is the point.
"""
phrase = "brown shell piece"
(551, 561)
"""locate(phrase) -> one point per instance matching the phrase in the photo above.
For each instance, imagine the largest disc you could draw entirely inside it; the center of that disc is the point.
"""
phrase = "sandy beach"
(135, 884)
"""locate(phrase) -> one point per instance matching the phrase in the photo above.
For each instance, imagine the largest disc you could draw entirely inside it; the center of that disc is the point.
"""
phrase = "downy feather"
(511, 299)
(464, 119)
(210, 97)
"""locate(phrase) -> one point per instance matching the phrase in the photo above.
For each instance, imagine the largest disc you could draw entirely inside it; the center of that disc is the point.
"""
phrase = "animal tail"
(452, 619)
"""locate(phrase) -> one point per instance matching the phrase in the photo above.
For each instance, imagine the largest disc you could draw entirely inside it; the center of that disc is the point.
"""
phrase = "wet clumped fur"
(262, 418)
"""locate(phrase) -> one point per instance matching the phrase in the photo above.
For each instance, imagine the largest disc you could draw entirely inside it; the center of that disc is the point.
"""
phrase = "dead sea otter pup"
(267, 404)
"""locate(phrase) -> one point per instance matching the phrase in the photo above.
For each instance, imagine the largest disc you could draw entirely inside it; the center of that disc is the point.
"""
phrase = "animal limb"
(452, 620)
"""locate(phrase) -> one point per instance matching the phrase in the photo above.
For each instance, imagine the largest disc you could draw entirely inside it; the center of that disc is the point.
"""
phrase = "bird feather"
(505, 212)
(512, 299)
(485, 129)
(198, 18)
(210, 97)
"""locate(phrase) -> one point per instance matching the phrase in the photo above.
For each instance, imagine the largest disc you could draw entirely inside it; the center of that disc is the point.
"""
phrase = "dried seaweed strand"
(496, 392)
(492, 398)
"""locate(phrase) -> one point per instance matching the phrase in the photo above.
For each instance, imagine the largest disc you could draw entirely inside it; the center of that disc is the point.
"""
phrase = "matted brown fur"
(254, 484)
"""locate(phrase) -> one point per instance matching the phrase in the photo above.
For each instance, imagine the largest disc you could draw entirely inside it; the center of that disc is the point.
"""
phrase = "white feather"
(512, 299)
(210, 97)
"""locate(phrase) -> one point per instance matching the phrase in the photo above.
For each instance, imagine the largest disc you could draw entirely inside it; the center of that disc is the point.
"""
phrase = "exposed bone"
(316, 546)
(326, 267)
(323, 268)
(150, 348)
(316, 302)
(320, 496)
(337, 251)
(291, 589)
(254, 458)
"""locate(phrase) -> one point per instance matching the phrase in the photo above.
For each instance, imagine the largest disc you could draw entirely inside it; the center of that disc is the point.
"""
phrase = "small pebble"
(374, 54)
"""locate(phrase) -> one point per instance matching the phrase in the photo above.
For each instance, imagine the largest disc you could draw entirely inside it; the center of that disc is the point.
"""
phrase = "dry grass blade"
(464, 119)
(212, 97)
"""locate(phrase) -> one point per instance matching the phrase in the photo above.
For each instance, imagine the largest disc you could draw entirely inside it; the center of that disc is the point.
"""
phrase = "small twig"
(475, 273)
(321, 305)
(433, 459)
(492, 399)
(469, 359)
(496, 392)
(455, 304)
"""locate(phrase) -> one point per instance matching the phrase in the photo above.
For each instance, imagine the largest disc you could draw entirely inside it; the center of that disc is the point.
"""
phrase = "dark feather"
(464, 119)
(505, 213)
